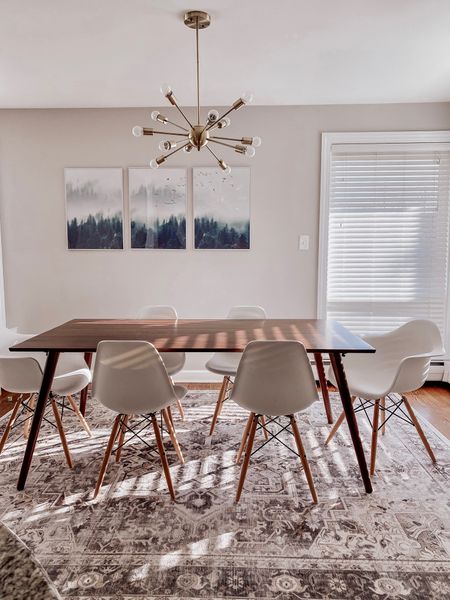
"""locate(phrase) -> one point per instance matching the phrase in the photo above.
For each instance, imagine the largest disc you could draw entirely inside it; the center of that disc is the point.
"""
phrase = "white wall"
(46, 284)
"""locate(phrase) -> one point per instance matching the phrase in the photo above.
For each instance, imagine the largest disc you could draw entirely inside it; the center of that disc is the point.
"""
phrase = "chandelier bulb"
(137, 131)
(250, 151)
(188, 148)
(227, 170)
(166, 145)
(153, 163)
(226, 122)
(155, 115)
(166, 90)
(247, 97)
(256, 142)
(213, 115)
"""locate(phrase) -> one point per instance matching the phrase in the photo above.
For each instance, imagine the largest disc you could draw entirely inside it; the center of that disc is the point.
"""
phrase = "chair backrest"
(20, 374)
(274, 378)
(402, 360)
(130, 377)
(157, 312)
(247, 312)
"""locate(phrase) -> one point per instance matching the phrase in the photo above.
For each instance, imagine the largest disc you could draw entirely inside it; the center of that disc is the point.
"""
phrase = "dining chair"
(21, 376)
(275, 379)
(173, 361)
(381, 380)
(131, 380)
(226, 363)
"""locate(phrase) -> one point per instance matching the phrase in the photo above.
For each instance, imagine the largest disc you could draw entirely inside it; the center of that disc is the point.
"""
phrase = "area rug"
(133, 543)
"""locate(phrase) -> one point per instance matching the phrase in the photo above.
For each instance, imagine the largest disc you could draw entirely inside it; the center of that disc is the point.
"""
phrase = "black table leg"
(46, 386)
(84, 393)
(341, 380)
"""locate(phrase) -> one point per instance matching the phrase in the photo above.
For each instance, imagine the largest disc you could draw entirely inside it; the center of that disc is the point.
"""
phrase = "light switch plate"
(303, 242)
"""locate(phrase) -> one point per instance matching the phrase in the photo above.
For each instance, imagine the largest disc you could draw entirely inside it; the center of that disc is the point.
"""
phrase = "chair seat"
(363, 383)
(173, 361)
(224, 363)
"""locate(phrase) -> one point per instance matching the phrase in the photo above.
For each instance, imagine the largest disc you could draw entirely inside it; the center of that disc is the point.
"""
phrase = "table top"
(196, 335)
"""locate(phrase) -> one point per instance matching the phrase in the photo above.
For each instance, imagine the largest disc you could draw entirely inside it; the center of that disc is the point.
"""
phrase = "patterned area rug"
(133, 543)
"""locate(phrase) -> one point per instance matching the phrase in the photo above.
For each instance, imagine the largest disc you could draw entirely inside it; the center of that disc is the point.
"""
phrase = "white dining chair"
(275, 379)
(226, 363)
(21, 376)
(130, 379)
(400, 365)
(173, 361)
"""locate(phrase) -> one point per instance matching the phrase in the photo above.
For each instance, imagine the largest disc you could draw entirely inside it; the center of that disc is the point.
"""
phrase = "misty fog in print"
(157, 208)
(94, 205)
(222, 208)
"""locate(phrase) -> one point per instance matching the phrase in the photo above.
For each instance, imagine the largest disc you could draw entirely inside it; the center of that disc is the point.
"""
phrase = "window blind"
(388, 230)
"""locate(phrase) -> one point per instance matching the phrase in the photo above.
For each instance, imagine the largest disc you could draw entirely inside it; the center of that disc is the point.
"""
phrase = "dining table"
(319, 336)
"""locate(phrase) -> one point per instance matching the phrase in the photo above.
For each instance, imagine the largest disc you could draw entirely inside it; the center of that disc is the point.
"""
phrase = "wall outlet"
(303, 242)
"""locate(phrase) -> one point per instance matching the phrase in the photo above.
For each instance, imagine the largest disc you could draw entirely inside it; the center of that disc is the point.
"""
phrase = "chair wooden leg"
(9, 426)
(248, 452)
(383, 415)
(336, 426)
(303, 459)
(62, 435)
(31, 403)
(163, 457)
(419, 428)
(244, 438)
(373, 449)
(109, 449)
(180, 408)
(121, 437)
(81, 418)
(220, 401)
(262, 418)
(173, 435)
(323, 386)
(169, 413)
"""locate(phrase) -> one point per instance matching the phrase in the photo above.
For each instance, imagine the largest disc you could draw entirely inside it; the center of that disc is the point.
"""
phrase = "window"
(384, 238)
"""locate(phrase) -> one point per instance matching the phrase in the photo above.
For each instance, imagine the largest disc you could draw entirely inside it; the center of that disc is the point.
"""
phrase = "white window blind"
(388, 230)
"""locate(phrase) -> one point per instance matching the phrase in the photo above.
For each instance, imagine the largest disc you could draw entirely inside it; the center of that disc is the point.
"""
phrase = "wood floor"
(432, 402)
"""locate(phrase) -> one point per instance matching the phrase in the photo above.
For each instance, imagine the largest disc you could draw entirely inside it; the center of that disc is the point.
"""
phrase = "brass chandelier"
(199, 135)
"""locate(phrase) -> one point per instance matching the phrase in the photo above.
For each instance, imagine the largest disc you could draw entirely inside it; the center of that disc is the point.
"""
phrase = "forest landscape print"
(94, 205)
(221, 208)
(157, 208)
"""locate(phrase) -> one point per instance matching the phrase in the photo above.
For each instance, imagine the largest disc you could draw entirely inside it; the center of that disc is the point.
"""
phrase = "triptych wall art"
(157, 208)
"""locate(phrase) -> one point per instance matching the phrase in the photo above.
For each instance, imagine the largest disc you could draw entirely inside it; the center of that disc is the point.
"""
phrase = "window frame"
(369, 137)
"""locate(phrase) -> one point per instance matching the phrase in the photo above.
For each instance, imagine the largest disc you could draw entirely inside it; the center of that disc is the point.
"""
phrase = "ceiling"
(108, 53)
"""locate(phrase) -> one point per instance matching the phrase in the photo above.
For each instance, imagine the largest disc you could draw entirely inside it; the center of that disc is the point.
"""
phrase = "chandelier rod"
(176, 150)
(222, 143)
(213, 153)
(198, 71)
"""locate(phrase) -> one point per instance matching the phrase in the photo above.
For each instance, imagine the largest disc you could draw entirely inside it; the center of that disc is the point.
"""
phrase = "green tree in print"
(95, 232)
(168, 234)
(210, 234)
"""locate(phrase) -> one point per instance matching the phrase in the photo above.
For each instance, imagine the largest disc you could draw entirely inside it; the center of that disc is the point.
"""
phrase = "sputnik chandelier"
(201, 135)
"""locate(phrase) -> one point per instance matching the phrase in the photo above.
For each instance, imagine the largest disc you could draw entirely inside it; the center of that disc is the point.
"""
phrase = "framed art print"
(94, 208)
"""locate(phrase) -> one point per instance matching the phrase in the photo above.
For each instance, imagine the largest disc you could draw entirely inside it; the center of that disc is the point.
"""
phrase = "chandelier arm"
(170, 133)
(213, 153)
(219, 137)
(175, 151)
(176, 125)
(213, 125)
(198, 71)
(222, 143)
(175, 103)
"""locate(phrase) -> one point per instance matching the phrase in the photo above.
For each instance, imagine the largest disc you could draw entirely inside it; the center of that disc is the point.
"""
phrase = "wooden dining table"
(319, 336)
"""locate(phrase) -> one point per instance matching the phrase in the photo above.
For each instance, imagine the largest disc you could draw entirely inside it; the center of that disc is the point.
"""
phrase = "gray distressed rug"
(133, 543)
